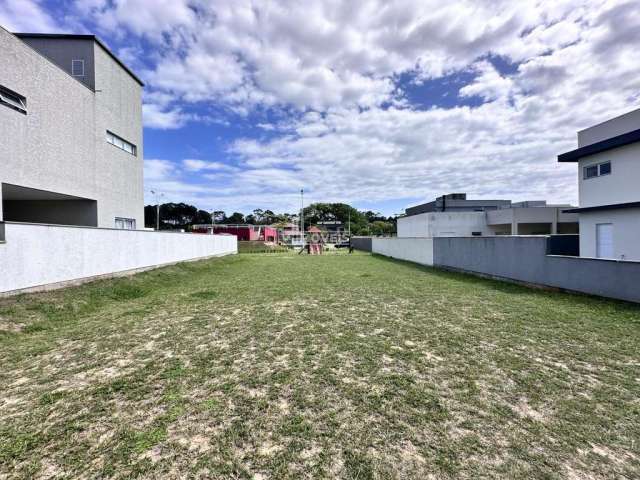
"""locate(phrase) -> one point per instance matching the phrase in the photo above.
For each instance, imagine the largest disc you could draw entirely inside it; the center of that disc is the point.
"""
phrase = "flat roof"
(602, 146)
(70, 36)
(614, 206)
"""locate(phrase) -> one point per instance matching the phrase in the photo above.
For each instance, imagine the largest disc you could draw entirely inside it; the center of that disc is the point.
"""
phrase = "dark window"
(476, 234)
(591, 171)
(77, 68)
(605, 168)
(14, 100)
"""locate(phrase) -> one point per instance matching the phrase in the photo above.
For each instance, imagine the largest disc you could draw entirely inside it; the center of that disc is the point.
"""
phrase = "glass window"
(605, 168)
(13, 100)
(121, 143)
(591, 171)
(125, 223)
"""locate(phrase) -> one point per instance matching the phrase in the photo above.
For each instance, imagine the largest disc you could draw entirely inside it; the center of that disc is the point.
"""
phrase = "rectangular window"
(13, 100)
(125, 223)
(121, 143)
(597, 170)
(605, 168)
(591, 171)
(77, 68)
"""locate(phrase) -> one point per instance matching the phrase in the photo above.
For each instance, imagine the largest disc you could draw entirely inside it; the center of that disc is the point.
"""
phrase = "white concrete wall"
(620, 186)
(38, 255)
(626, 232)
(418, 250)
(443, 224)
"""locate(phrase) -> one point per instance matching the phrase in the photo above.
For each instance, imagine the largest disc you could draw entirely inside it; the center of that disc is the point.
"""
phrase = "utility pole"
(157, 195)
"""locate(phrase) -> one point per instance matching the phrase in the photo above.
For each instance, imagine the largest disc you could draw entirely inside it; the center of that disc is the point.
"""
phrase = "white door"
(604, 240)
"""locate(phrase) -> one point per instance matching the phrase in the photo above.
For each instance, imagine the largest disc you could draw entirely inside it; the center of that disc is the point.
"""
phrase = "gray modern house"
(71, 138)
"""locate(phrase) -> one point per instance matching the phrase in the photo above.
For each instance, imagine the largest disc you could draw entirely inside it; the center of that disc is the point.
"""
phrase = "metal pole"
(302, 216)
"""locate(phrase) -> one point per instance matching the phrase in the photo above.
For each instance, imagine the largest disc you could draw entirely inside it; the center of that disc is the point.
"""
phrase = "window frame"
(13, 100)
(121, 144)
(73, 62)
(597, 167)
(123, 223)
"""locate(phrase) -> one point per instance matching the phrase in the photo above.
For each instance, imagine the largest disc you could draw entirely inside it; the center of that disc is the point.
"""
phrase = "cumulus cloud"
(154, 116)
(26, 16)
(345, 129)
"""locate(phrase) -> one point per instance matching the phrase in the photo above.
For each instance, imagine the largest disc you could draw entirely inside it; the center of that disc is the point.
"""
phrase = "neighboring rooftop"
(457, 202)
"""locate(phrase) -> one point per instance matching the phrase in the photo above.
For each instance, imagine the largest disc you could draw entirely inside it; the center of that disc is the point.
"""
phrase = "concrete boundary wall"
(41, 257)
(525, 259)
(361, 243)
(418, 250)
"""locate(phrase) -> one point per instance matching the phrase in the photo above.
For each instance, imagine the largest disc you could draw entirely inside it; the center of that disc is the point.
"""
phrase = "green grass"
(336, 366)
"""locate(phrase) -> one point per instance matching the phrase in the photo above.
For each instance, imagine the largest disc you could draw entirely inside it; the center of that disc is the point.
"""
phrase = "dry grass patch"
(344, 366)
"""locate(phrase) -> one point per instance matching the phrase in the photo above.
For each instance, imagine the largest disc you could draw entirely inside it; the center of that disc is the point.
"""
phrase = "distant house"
(608, 158)
(244, 232)
(454, 215)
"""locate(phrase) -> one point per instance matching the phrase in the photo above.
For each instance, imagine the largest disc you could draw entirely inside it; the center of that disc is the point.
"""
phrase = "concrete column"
(514, 227)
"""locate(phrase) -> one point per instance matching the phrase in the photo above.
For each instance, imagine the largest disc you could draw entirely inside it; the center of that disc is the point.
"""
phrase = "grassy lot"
(287, 366)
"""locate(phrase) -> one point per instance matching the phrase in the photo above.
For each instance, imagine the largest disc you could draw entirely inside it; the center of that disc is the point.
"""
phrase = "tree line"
(177, 216)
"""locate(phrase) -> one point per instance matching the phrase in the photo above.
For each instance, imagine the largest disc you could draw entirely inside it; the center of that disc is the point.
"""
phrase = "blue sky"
(375, 103)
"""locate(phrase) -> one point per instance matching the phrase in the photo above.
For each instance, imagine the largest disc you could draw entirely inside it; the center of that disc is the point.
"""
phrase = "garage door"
(604, 240)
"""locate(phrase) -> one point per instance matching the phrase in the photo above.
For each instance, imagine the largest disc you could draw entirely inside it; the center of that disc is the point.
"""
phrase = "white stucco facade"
(442, 224)
(620, 186)
(610, 196)
(55, 153)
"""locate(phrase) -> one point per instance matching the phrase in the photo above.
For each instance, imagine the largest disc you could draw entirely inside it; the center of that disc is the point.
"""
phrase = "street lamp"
(158, 195)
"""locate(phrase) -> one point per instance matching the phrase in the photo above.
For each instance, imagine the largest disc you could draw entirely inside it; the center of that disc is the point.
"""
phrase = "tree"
(235, 218)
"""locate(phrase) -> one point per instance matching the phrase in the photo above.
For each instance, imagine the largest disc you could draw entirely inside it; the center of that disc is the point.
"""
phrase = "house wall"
(439, 224)
(119, 175)
(52, 147)
(418, 250)
(626, 232)
(60, 144)
(620, 186)
(43, 256)
(63, 212)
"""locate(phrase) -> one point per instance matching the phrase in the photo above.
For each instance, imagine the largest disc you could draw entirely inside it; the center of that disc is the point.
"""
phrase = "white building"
(71, 133)
(608, 158)
(455, 216)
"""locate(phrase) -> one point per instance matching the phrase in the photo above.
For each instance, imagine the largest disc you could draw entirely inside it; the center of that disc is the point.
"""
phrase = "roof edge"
(73, 36)
(601, 146)
(614, 206)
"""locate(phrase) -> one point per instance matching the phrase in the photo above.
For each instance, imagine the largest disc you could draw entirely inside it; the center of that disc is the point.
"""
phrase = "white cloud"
(330, 70)
(26, 16)
(155, 117)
